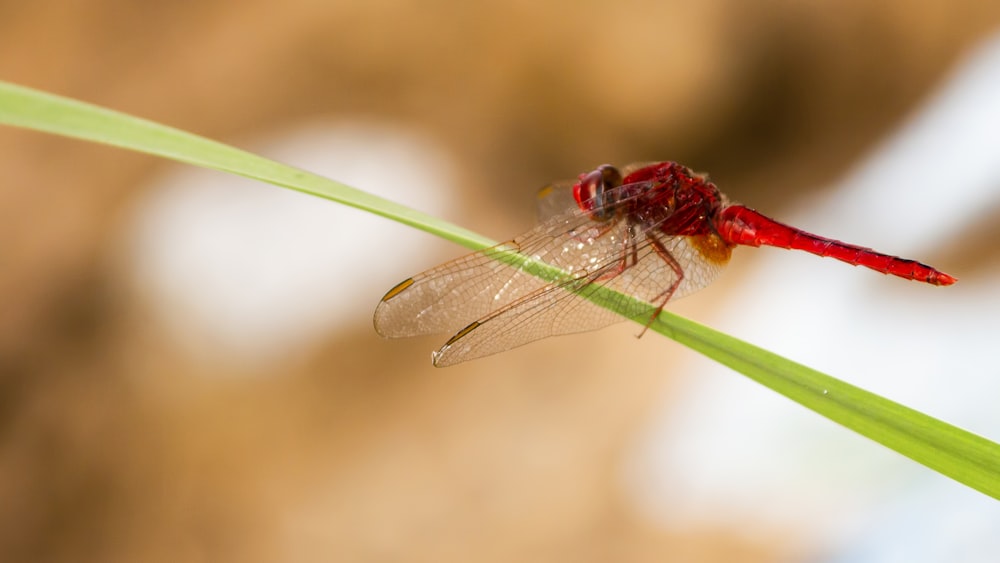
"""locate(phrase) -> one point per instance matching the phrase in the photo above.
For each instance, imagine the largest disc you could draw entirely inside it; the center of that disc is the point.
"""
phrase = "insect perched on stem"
(654, 232)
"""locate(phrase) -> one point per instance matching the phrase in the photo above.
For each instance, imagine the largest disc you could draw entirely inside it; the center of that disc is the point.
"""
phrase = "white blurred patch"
(735, 454)
(246, 272)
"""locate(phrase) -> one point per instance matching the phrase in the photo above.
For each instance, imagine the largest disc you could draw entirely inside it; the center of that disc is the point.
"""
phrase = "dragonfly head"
(593, 192)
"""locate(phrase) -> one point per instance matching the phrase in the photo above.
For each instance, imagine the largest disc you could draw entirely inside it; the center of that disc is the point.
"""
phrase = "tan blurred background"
(118, 444)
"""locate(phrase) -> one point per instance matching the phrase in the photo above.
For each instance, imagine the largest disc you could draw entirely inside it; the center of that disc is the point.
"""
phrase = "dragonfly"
(650, 233)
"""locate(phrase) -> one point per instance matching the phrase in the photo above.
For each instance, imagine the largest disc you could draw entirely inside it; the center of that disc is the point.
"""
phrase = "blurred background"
(188, 370)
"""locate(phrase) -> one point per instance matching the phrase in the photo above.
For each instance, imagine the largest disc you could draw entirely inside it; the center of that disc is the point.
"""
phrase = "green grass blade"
(949, 450)
(956, 453)
(32, 109)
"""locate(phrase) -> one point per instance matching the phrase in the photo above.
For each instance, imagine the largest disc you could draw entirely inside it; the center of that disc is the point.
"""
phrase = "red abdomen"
(741, 225)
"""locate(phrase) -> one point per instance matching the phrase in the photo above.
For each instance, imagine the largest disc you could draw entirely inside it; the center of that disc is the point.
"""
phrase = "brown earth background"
(115, 446)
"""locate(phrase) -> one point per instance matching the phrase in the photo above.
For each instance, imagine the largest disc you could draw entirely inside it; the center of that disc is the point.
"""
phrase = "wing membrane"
(491, 306)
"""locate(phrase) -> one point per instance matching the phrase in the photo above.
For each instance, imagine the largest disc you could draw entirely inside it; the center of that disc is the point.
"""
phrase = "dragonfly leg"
(664, 297)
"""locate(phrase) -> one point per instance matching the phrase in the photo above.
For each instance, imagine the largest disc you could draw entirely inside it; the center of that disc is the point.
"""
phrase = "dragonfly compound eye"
(594, 192)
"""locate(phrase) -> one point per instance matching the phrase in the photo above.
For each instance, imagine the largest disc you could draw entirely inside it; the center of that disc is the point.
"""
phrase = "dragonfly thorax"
(670, 197)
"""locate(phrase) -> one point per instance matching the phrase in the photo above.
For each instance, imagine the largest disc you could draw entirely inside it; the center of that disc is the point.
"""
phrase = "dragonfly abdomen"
(741, 225)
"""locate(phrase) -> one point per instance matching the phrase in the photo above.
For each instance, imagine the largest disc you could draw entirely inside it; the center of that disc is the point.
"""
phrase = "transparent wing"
(449, 297)
(491, 306)
(555, 199)
(565, 308)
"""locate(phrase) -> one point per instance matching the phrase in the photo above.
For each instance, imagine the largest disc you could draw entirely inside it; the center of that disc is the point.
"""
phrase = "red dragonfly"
(654, 232)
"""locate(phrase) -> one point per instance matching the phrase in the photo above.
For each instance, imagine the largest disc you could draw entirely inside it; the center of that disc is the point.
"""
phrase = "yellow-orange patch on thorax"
(712, 248)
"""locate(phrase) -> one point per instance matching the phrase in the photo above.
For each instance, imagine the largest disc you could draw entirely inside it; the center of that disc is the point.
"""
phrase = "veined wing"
(491, 305)
(449, 297)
